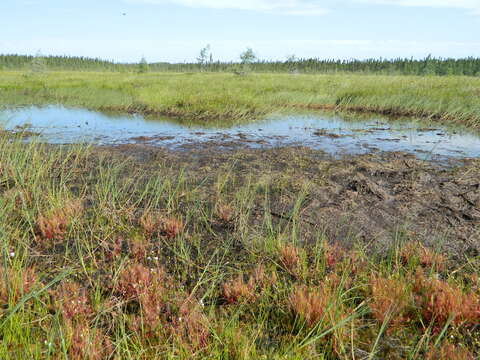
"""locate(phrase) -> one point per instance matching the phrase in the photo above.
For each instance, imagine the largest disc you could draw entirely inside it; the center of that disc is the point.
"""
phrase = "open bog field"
(206, 97)
(218, 216)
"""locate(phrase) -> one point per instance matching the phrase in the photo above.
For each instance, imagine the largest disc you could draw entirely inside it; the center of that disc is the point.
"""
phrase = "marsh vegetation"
(141, 252)
(230, 98)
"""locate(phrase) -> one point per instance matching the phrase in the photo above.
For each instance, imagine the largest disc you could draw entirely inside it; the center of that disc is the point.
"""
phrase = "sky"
(176, 30)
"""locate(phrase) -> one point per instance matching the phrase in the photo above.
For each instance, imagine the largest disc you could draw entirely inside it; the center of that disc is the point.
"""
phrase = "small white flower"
(12, 254)
(201, 302)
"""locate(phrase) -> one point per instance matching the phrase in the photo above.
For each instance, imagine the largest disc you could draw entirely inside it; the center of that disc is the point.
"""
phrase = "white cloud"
(311, 7)
(284, 7)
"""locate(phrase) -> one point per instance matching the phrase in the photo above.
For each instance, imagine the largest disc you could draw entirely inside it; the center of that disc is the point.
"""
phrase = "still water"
(335, 134)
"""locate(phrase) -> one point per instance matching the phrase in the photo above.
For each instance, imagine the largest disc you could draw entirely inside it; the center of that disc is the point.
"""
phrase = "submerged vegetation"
(228, 97)
(111, 255)
(205, 62)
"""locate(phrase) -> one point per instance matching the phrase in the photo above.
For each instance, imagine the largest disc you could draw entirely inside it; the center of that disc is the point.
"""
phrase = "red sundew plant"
(440, 302)
(426, 257)
(156, 224)
(10, 288)
(52, 227)
(162, 308)
(475, 281)
(29, 280)
(149, 223)
(73, 302)
(191, 325)
(4, 291)
(261, 278)
(319, 304)
(171, 227)
(135, 279)
(357, 263)
(153, 305)
(138, 248)
(89, 344)
(113, 249)
(335, 281)
(334, 254)
(224, 212)
(237, 290)
(309, 304)
(148, 288)
(448, 352)
(390, 300)
(289, 258)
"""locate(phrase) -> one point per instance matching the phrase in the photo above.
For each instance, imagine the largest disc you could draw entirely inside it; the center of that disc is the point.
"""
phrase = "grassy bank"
(106, 256)
(228, 97)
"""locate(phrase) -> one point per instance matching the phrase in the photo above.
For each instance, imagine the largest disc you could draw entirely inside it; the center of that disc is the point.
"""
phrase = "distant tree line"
(428, 66)
(26, 62)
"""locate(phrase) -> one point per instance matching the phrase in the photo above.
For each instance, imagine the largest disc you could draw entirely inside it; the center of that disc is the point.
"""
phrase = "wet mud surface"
(374, 199)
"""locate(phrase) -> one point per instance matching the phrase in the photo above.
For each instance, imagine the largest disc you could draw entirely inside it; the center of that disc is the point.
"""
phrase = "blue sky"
(175, 30)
